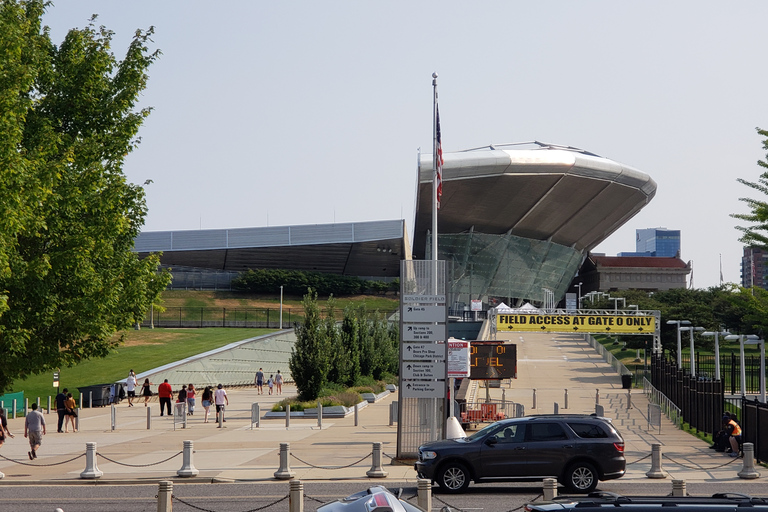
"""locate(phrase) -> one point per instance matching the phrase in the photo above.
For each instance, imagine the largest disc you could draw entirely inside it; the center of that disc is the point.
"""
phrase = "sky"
(304, 112)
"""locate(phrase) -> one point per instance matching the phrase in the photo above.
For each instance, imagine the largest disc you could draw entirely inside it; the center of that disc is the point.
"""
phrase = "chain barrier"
(734, 459)
(307, 496)
(42, 465)
(523, 505)
(396, 462)
(639, 460)
(447, 504)
(137, 465)
(173, 496)
(331, 467)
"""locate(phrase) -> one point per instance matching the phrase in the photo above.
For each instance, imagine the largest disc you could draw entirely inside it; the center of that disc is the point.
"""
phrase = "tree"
(309, 359)
(68, 275)
(756, 234)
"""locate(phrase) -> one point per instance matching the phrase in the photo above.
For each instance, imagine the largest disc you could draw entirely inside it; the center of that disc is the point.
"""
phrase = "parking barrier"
(288, 416)
(255, 415)
(113, 417)
(550, 489)
(656, 471)
(376, 470)
(320, 415)
(597, 396)
(424, 493)
(164, 496)
(679, 488)
(187, 466)
(296, 496)
(91, 470)
(534, 399)
(629, 399)
(149, 418)
(557, 408)
(565, 400)
(748, 470)
(356, 414)
(284, 472)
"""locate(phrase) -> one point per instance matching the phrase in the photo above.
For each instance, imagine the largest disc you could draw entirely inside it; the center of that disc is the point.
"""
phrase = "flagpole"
(434, 166)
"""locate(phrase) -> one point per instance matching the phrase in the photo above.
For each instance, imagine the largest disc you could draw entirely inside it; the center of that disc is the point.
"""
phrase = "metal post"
(534, 399)
(149, 418)
(295, 493)
(49, 404)
(91, 469)
(288, 416)
(391, 414)
(557, 408)
(656, 471)
(221, 417)
(597, 396)
(187, 466)
(356, 414)
(90, 399)
(255, 415)
(748, 470)
(376, 470)
(81, 400)
(629, 399)
(14, 408)
(424, 499)
(320, 415)
(284, 472)
(113, 417)
(164, 493)
(565, 400)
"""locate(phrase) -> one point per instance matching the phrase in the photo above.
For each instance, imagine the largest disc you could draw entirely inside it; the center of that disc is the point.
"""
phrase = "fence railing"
(263, 318)
(754, 424)
(607, 356)
(669, 409)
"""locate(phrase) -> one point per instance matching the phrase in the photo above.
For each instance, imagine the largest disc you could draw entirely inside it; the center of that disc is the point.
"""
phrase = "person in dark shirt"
(61, 409)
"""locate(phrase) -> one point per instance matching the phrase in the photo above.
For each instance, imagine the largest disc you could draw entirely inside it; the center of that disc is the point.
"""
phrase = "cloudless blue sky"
(279, 113)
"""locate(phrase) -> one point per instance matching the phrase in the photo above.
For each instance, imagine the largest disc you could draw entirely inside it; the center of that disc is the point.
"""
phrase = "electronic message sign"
(622, 324)
(492, 360)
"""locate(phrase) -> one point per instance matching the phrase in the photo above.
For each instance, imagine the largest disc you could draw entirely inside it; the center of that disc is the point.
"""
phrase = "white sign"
(423, 352)
(423, 389)
(424, 298)
(419, 370)
(423, 313)
(477, 305)
(413, 332)
(458, 359)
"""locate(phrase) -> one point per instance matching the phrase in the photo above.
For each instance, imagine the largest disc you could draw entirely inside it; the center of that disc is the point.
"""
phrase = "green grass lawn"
(142, 351)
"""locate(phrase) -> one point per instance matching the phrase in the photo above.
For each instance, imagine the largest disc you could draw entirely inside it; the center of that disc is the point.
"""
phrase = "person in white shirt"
(130, 387)
(220, 399)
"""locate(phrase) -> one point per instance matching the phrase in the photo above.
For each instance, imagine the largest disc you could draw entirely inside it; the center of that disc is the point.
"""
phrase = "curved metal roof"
(563, 194)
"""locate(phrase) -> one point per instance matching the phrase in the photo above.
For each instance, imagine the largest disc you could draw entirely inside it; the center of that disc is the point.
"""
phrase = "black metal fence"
(700, 401)
(730, 372)
(754, 423)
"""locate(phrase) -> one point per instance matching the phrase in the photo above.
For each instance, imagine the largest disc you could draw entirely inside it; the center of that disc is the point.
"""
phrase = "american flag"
(439, 159)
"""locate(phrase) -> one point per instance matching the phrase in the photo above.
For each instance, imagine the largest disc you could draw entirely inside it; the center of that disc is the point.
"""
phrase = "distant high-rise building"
(754, 266)
(658, 242)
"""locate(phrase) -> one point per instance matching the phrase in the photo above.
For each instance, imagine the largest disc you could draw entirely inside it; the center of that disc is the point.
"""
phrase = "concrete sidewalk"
(340, 451)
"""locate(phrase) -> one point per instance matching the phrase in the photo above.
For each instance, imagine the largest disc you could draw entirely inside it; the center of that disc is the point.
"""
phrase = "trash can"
(626, 381)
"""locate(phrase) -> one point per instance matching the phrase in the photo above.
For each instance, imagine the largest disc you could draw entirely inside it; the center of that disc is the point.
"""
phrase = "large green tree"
(756, 234)
(68, 118)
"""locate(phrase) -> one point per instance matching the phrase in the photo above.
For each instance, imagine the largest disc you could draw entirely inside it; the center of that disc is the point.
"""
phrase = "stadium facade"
(516, 222)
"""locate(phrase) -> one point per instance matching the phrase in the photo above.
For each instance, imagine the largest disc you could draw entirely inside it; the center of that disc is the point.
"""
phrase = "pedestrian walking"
(279, 383)
(70, 407)
(130, 387)
(259, 381)
(165, 393)
(220, 399)
(61, 409)
(207, 401)
(270, 383)
(146, 391)
(4, 432)
(190, 399)
(34, 430)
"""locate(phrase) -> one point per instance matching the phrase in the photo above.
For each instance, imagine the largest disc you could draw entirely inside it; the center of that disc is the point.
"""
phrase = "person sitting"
(734, 434)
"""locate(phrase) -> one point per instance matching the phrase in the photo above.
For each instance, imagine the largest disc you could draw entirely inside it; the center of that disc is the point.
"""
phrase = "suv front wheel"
(581, 477)
(453, 478)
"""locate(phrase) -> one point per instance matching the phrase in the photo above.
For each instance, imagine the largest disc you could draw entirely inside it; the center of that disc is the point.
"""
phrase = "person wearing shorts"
(130, 387)
(34, 430)
(220, 399)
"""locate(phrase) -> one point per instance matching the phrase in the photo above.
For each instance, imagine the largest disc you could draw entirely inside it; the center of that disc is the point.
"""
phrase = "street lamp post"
(578, 299)
(281, 308)
(678, 323)
(693, 359)
(616, 302)
(750, 339)
(716, 334)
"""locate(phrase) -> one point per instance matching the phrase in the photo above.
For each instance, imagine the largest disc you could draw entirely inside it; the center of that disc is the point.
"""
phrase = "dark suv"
(578, 450)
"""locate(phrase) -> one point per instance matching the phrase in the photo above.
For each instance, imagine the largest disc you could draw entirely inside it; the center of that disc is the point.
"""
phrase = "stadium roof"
(365, 249)
(533, 190)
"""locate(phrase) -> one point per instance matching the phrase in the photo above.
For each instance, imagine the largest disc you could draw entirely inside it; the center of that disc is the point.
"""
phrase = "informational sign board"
(493, 360)
(423, 352)
(55, 379)
(458, 359)
(423, 389)
(426, 333)
(412, 298)
(414, 313)
(423, 370)
(476, 305)
(634, 324)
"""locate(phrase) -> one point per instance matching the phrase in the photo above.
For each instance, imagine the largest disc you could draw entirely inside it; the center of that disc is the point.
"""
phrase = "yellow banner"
(632, 324)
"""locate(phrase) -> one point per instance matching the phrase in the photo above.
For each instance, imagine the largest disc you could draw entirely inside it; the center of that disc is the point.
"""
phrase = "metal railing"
(669, 409)
(607, 356)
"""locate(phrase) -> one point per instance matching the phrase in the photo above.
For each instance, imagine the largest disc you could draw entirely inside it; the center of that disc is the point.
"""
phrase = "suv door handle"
(567, 446)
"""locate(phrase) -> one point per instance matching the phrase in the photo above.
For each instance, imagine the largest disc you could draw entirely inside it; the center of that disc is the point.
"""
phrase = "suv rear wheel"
(453, 478)
(580, 477)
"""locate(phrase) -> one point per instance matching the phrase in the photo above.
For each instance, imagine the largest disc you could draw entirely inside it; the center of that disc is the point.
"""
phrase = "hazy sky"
(279, 113)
